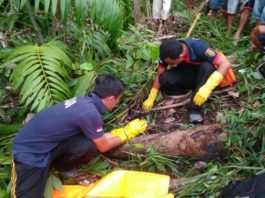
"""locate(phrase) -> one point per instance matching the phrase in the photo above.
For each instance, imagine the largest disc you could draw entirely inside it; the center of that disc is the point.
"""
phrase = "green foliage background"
(69, 43)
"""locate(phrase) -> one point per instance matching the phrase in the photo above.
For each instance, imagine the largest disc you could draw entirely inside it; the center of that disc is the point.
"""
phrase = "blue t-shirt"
(35, 141)
(199, 52)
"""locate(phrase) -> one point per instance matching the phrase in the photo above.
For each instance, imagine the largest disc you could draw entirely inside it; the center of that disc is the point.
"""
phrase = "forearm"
(223, 65)
(254, 38)
(107, 142)
(156, 83)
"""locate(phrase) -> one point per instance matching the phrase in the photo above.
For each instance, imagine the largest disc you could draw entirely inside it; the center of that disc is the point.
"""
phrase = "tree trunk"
(201, 142)
(137, 11)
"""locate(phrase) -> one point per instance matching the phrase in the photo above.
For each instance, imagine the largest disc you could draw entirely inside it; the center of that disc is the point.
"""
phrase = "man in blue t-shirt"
(65, 135)
(197, 67)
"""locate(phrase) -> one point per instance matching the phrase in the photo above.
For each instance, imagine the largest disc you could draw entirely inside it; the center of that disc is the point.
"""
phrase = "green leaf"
(11, 128)
(86, 66)
(83, 84)
(41, 96)
(54, 7)
(15, 4)
(48, 188)
(65, 9)
(46, 6)
(36, 5)
(108, 15)
(57, 184)
(129, 62)
(81, 10)
(40, 70)
(22, 3)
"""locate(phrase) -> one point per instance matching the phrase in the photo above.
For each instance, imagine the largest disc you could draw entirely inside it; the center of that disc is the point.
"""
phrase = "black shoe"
(68, 174)
(195, 117)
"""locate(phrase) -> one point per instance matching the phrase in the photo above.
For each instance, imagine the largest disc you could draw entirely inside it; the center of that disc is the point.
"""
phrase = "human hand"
(149, 102)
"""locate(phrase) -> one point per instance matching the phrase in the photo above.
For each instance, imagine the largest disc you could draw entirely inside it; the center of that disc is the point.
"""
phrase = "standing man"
(230, 8)
(65, 135)
(161, 10)
(197, 67)
(259, 11)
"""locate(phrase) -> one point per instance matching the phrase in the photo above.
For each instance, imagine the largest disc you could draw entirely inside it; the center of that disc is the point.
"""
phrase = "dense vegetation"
(53, 50)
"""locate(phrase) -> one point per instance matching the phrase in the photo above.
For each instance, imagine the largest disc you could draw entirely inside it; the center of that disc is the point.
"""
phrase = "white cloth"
(161, 9)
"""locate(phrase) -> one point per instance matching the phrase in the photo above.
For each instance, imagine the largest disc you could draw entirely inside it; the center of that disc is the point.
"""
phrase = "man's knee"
(207, 68)
(82, 147)
(163, 79)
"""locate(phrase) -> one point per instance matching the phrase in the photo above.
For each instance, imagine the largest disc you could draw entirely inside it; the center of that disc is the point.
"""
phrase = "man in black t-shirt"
(196, 67)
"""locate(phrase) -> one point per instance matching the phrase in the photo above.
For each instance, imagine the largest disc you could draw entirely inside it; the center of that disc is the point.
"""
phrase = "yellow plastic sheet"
(121, 184)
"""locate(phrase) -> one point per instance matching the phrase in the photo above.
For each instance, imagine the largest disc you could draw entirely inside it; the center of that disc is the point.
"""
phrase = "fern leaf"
(40, 74)
(65, 9)
(81, 10)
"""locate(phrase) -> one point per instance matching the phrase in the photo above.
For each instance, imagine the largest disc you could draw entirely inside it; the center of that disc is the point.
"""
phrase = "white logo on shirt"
(70, 102)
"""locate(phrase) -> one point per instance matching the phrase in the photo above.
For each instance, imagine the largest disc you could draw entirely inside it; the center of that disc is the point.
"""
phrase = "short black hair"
(170, 48)
(108, 85)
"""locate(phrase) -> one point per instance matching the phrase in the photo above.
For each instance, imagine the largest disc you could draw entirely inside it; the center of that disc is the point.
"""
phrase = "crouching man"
(65, 135)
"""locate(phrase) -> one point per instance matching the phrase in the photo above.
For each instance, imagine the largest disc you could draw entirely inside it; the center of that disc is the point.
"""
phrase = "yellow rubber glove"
(204, 92)
(149, 102)
(131, 130)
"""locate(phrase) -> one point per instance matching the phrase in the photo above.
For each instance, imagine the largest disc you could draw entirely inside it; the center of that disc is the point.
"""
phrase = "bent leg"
(28, 181)
(165, 9)
(72, 152)
(178, 80)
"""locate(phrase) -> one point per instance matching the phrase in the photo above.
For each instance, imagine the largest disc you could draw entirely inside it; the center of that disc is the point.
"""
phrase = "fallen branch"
(179, 104)
(201, 141)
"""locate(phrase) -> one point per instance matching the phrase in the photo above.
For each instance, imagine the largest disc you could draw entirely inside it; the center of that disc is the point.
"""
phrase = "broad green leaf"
(22, 3)
(11, 128)
(36, 5)
(41, 96)
(65, 9)
(48, 188)
(59, 82)
(17, 59)
(43, 104)
(129, 62)
(30, 94)
(40, 70)
(61, 88)
(54, 7)
(53, 67)
(81, 10)
(56, 182)
(55, 75)
(83, 84)
(29, 100)
(57, 95)
(15, 4)
(46, 6)
(86, 66)
(108, 15)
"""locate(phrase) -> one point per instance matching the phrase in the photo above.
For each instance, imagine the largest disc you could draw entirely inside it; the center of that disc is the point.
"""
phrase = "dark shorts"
(29, 182)
(185, 77)
(232, 6)
(215, 4)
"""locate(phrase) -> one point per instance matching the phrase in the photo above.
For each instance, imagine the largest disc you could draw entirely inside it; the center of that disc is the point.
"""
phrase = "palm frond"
(65, 9)
(40, 74)
(83, 85)
(81, 10)
(107, 13)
